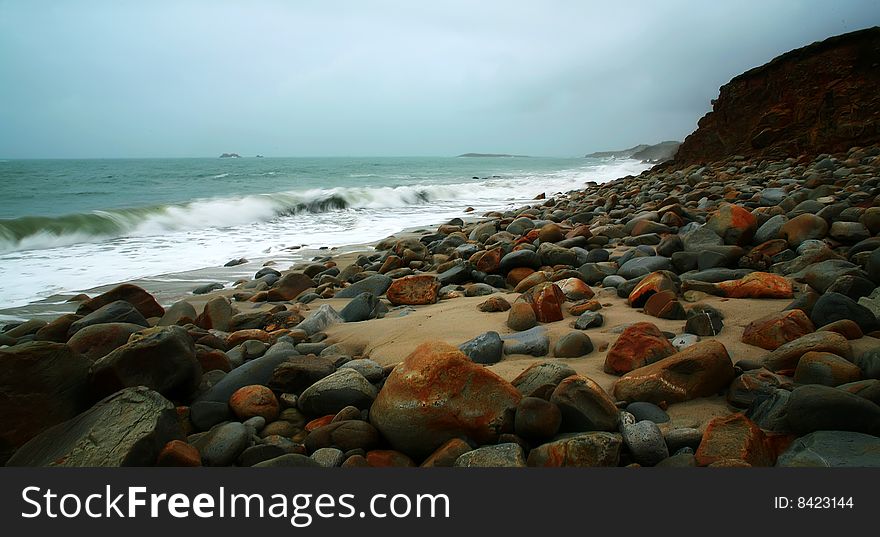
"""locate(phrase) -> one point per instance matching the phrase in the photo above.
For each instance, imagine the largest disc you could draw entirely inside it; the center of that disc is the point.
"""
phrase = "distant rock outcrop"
(653, 153)
(230, 155)
(822, 98)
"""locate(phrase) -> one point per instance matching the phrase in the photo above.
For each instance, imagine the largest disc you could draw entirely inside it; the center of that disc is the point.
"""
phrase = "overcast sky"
(299, 78)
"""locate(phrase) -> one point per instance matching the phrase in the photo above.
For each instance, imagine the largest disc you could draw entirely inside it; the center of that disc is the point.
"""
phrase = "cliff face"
(822, 98)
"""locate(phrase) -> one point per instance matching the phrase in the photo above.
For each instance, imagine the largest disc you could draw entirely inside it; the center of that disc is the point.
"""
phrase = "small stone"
(584, 405)
(494, 304)
(774, 330)
(179, 454)
(254, 400)
(328, 457)
(573, 345)
(734, 437)
(644, 442)
(534, 342)
(537, 418)
(647, 411)
(640, 344)
(521, 317)
(582, 450)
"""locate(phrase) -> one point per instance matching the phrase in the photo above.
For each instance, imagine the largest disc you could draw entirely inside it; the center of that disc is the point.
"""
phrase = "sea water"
(70, 225)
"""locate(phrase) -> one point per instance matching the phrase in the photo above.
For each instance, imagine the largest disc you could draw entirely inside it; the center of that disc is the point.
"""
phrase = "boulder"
(376, 284)
(119, 311)
(639, 345)
(785, 358)
(128, 428)
(701, 370)
(834, 306)
(345, 387)
(772, 331)
(546, 300)
(99, 340)
(134, 295)
(734, 437)
(414, 290)
(217, 314)
(591, 449)
(534, 342)
(822, 408)
(573, 345)
(162, 359)
(290, 286)
(734, 224)
(832, 449)
(584, 405)
(319, 320)
(540, 379)
(41, 384)
(437, 394)
(825, 368)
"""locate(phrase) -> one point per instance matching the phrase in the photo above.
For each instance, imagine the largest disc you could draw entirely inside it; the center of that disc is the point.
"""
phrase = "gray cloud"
(114, 79)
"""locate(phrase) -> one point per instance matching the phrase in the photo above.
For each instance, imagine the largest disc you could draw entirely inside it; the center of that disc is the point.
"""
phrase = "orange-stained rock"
(655, 282)
(488, 260)
(777, 329)
(546, 300)
(531, 280)
(733, 223)
(240, 336)
(516, 275)
(445, 455)
(317, 423)
(639, 345)
(179, 453)
(584, 305)
(134, 295)
(757, 285)
(438, 393)
(551, 233)
(388, 458)
(665, 305)
(254, 400)
(575, 289)
(845, 327)
(391, 262)
(734, 437)
(700, 370)
(414, 290)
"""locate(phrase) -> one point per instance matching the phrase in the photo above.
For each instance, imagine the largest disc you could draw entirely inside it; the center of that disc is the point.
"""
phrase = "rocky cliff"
(822, 98)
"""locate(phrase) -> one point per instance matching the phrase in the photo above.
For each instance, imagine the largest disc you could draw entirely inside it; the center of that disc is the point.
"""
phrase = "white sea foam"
(209, 232)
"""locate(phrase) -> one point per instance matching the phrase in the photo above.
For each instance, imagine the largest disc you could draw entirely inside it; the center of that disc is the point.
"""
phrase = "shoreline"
(682, 279)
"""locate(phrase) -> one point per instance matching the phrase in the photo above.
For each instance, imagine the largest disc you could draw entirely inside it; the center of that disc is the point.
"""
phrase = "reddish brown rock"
(734, 437)
(388, 458)
(583, 450)
(99, 340)
(804, 227)
(179, 454)
(575, 289)
(757, 285)
(546, 300)
(774, 330)
(211, 359)
(733, 223)
(521, 317)
(701, 370)
(134, 295)
(494, 304)
(254, 400)
(551, 233)
(57, 330)
(809, 110)
(317, 423)
(653, 283)
(845, 327)
(530, 281)
(665, 305)
(639, 345)
(445, 455)
(487, 261)
(518, 274)
(414, 290)
(584, 405)
(289, 286)
(437, 394)
(240, 336)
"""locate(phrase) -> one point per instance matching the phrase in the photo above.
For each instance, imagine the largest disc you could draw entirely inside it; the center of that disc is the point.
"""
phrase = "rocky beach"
(721, 309)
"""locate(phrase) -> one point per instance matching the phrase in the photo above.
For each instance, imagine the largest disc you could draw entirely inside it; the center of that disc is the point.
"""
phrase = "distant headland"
(230, 155)
(652, 153)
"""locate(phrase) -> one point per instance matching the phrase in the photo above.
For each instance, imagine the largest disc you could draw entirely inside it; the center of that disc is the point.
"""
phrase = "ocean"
(69, 226)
